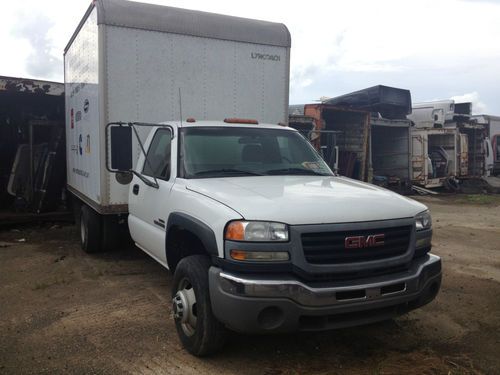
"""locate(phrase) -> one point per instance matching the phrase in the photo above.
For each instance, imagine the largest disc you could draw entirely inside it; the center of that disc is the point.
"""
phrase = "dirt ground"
(65, 311)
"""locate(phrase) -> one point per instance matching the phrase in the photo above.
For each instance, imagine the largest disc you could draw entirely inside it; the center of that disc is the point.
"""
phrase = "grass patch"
(481, 199)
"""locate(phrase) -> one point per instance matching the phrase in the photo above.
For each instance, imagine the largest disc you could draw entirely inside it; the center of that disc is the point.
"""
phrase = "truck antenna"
(180, 104)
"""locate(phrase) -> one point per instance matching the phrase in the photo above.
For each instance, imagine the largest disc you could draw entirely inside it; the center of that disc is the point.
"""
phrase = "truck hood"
(306, 199)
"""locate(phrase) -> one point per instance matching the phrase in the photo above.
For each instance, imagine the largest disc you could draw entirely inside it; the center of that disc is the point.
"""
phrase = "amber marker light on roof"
(240, 121)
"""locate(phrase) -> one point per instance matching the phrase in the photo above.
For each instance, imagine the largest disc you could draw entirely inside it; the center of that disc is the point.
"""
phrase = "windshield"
(231, 152)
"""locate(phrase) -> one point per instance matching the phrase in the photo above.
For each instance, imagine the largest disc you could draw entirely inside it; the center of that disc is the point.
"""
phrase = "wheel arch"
(187, 235)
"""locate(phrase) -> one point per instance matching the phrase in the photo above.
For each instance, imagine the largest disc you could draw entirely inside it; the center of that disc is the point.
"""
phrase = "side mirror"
(119, 147)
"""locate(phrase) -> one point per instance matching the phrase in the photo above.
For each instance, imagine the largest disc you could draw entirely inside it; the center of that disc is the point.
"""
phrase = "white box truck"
(260, 234)
(143, 62)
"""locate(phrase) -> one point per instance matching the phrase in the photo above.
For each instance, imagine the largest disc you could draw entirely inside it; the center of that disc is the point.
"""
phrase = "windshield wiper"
(295, 171)
(228, 171)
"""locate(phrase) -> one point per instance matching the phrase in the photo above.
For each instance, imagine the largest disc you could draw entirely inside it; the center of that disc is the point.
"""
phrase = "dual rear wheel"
(98, 232)
(90, 230)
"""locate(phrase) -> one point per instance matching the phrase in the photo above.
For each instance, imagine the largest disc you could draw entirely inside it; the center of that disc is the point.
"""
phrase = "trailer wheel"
(90, 230)
(198, 329)
(76, 207)
(111, 235)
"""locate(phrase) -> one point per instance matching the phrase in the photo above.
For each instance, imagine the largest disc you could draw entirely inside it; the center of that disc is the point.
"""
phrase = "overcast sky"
(437, 49)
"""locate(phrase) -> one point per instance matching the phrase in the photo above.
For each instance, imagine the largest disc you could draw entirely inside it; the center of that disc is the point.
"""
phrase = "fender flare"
(195, 226)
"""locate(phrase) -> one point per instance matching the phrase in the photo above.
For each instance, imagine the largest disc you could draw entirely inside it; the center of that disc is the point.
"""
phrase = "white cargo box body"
(128, 61)
(426, 115)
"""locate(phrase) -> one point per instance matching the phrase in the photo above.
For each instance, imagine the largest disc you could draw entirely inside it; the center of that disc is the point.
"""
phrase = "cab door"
(149, 205)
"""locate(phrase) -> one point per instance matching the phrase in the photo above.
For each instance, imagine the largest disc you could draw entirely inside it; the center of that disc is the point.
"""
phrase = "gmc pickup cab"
(262, 237)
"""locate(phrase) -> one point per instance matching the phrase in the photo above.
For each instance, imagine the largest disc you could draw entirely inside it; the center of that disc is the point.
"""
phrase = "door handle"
(135, 189)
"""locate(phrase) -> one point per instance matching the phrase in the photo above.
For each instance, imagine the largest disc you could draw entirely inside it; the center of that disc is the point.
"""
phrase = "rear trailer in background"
(475, 136)
(449, 145)
(129, 61)
(342, 136)
(362, 134)
(390, 154)
(357, 145)
(439, 156)
(492, 126)
(434, 156)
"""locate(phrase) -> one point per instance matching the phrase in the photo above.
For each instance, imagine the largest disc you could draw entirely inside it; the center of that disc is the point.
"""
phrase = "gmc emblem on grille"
(358, 242)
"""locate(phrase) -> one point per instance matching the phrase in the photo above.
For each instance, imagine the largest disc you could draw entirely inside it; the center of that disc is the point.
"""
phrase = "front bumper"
(248, 303)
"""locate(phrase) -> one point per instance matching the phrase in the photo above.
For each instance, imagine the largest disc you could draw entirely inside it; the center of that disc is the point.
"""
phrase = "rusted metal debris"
(32, 86)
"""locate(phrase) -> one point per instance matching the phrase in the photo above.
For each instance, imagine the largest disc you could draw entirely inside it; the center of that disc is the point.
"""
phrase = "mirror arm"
(143, 179)
(147, 181)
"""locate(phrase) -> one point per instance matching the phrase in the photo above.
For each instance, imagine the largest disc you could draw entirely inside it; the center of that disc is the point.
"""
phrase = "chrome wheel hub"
(184, 307)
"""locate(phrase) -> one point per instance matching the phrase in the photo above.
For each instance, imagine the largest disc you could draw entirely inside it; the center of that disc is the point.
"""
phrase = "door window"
(157, 163)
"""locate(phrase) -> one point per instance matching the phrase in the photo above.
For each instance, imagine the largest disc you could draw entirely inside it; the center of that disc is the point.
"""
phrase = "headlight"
(260, 231)
(423, 220)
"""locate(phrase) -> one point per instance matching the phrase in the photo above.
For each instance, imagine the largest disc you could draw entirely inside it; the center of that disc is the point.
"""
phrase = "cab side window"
(159, 156)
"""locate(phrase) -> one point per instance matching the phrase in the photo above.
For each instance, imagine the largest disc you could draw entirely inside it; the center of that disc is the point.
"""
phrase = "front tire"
(198, 329)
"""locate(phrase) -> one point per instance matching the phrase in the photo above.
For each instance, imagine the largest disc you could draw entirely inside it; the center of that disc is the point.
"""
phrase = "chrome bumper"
(252, 304)
(388, 286)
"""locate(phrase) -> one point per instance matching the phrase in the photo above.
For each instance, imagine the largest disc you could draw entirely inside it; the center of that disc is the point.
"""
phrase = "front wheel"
(199, 331)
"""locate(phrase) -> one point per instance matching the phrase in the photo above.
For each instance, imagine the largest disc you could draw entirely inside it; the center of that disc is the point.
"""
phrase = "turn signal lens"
(235, 231)
(238, 255)
(259, 256)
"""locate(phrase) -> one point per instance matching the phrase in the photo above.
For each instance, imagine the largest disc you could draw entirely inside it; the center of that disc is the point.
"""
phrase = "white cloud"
(413, 42)
(42, 61)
